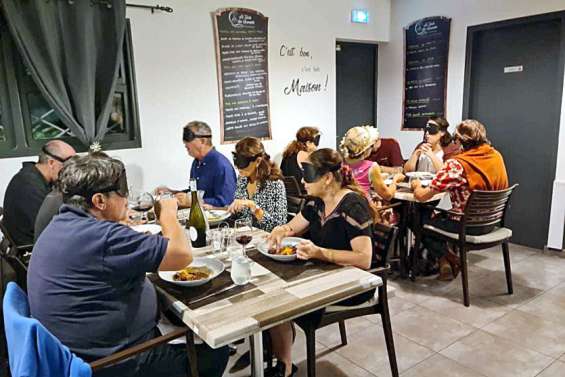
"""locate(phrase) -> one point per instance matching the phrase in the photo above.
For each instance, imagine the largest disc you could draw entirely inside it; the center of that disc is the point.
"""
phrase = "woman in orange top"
(478, 167)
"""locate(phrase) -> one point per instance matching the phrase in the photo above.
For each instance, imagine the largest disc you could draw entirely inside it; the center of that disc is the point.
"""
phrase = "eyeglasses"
(188, 135)
(54, 157)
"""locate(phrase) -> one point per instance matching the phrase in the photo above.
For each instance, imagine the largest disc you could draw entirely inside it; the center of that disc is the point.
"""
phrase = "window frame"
(17, 117)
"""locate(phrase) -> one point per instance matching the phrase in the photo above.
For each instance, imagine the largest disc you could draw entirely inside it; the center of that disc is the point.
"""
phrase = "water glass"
(241, 270)
(215, 237)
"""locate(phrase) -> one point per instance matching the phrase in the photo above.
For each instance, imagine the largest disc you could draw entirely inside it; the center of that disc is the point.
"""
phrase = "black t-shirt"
(24, 195)
(350, 219)
(290, 168)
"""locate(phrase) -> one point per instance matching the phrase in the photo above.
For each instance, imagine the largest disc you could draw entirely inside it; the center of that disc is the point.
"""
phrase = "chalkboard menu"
(425, 71)
(243, 75)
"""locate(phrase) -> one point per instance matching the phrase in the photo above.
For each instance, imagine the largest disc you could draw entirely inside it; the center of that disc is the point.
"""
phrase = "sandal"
(445, 270)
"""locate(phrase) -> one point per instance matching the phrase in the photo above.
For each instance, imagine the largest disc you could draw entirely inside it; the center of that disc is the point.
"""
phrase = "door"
(514, 80)
(356, 72)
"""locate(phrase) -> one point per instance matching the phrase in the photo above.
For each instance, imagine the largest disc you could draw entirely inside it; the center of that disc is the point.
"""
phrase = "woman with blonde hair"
(355, 147)
(307, 141)
(260, 193)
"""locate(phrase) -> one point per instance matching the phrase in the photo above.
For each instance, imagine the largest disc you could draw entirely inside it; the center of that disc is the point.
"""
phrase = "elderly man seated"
(29, 187)
(478, 167)
(86, 278)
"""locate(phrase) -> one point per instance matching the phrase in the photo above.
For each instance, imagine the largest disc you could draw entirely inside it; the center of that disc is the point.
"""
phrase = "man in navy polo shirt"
(86, 278)
(213, 172)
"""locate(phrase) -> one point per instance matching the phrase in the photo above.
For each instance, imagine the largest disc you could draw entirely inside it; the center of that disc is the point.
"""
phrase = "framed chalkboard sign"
(243, 73)
(426, 47)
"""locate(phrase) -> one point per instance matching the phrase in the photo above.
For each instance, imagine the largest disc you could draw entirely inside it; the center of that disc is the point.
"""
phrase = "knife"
(213, 294)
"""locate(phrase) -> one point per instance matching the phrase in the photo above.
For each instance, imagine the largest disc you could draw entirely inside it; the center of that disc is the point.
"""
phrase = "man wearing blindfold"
(213, 172)
(29, 187)
(87, 275)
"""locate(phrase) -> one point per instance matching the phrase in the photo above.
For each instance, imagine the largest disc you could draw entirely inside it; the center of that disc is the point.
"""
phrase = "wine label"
(193, 233)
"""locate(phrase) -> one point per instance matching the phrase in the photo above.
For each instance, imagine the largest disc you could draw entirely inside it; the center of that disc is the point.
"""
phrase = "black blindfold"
(120, 187)
(188, 135)
(311, 174)
(56, 158)
(315, 140)
(241, 161)
(431, 128)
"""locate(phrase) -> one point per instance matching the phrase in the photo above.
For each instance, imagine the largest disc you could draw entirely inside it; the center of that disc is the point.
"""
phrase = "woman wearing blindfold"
(356, 146)
(307, 141)
(430, 154)
(260, 192)
(340, 222)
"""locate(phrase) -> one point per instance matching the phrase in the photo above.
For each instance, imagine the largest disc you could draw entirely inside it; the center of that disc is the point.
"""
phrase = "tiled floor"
(522, 335)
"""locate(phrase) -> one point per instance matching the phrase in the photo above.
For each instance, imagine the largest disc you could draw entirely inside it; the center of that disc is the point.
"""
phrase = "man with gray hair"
(86, 278)
(29, 187)
(213, 172)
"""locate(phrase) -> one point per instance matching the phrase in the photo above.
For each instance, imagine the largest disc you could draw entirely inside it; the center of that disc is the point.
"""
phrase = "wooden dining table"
(221, 313)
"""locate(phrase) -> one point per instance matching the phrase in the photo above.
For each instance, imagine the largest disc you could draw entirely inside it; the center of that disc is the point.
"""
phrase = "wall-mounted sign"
(243, 73)
(514, 69)
(426, 47)
(360, 16)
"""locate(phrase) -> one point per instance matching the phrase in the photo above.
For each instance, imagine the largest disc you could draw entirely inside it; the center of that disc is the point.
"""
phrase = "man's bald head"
(57, 150)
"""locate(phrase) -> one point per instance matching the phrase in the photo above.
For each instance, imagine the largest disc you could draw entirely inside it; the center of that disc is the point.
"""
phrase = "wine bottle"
(196, 223)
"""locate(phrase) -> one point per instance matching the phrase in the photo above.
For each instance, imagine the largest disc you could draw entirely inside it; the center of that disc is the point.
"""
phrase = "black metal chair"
(384, 238)
(294, 206)
(15, 256)
(292, 187)
(484, 208)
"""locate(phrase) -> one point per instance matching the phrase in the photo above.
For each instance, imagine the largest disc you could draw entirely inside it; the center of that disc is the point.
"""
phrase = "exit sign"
(360, 16)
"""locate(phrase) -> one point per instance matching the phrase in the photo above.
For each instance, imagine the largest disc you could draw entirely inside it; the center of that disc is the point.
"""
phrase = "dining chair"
(483, 208)
(17, 257)
(383, 238)
(33, 351)
(294, 206)
(292, 187)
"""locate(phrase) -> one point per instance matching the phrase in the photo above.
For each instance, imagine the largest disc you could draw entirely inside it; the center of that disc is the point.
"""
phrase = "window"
(31, 121)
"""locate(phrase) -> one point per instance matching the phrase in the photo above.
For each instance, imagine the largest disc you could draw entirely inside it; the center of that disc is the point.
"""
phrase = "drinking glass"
(243, 233)
(241, 270)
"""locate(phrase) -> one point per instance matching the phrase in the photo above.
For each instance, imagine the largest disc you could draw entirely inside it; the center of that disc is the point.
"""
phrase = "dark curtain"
(72, 50)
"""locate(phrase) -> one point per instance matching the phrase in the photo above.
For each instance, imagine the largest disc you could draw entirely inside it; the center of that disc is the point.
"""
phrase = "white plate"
(217, 215)
(263, 249)
(420, 175)
(147, 228)
(213, 264)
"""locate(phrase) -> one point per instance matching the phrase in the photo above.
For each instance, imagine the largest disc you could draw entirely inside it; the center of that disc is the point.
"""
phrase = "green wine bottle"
(196, 223)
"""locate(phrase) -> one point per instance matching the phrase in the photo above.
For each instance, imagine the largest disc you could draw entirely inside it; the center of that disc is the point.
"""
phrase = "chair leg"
(464, 275)
(387, 329)
(191, 352)
(311, 351)
(507, 269)
(343, 333)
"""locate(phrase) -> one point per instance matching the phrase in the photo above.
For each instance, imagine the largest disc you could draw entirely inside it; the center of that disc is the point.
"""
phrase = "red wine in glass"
(244, 239)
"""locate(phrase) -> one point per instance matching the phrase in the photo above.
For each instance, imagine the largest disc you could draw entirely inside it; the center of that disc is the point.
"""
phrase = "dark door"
(356, 66)
(514, 84)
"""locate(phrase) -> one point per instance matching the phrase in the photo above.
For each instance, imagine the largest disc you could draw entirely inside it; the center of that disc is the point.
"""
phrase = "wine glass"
(243, 233)
(141, 202)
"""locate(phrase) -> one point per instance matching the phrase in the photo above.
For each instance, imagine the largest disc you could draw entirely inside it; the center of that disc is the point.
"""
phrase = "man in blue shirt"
(86, 278)
(213, 172)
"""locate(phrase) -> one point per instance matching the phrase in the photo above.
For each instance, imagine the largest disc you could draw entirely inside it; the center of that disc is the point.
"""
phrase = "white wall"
(463, 13)
(177, 82)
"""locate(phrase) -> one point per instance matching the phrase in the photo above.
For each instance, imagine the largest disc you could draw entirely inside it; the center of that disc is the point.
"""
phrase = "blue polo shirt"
(87, 285)
(216, 176)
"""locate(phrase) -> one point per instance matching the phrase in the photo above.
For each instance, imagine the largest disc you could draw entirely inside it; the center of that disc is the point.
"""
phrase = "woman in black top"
(341, 224)
(307, 140)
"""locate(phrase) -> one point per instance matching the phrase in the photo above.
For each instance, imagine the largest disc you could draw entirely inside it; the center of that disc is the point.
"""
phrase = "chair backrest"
(485, 208)
(383, 241)
(292, 187)
(294, 205)
(32, 349)
(17, 258)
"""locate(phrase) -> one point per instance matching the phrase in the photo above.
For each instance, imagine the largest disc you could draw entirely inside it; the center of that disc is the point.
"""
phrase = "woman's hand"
(415, 184)
(308, 250)
(276, 236)
(239, 205)
(398, 177)
(427, 149)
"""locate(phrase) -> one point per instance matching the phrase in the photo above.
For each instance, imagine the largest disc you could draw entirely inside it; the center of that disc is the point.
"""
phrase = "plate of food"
(147, 228)
(199, 272)
(287, 251)
(217, 215)
(420, 175)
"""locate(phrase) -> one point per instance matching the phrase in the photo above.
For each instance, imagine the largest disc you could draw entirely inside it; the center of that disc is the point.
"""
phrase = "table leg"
(256, 346)
(404, 240)
(414, 252)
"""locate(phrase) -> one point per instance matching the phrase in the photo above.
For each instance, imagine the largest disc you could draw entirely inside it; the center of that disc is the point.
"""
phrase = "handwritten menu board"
(243, 74)
(425, 71)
